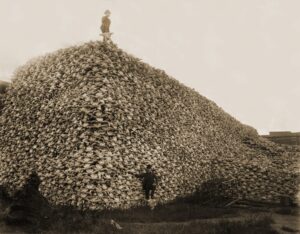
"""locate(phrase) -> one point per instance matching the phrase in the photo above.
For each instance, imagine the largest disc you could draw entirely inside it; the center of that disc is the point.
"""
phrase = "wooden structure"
(284, 137)
(3, 86)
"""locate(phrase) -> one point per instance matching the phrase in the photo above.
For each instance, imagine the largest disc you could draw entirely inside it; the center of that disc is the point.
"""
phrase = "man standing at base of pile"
(105, 26)
(149, 182)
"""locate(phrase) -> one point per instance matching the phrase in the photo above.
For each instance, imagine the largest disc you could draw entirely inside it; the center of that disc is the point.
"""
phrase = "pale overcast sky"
(242, 54)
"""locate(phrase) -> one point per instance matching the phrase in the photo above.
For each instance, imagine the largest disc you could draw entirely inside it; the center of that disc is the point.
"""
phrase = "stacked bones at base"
(90, 117)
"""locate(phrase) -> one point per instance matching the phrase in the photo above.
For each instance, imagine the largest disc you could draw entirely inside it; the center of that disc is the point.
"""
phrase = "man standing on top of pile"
(149, 182)
(105, 26)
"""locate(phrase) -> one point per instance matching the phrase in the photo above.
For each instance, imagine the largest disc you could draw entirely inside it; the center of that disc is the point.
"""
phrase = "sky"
(243, 55)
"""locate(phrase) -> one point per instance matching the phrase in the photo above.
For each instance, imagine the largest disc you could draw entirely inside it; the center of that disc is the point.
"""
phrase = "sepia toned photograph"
(149, 117)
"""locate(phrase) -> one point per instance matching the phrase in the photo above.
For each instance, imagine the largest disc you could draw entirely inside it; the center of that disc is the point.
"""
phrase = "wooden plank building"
(3, 86)
(284, 137)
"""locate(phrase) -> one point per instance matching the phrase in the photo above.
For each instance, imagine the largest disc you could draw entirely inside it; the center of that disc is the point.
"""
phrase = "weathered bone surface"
(87, 118)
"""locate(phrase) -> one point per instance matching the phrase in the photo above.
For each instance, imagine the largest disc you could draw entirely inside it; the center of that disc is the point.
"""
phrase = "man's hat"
(107, 12)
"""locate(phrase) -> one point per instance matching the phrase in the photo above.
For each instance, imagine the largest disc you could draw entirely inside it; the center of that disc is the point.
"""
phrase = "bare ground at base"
(179, 218)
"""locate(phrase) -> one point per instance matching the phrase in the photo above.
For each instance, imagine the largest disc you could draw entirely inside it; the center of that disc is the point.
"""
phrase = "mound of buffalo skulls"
(88, 118)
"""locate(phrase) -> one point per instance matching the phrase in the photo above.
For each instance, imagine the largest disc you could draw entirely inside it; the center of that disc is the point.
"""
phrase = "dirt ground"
(194, 219)
(288, 222)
